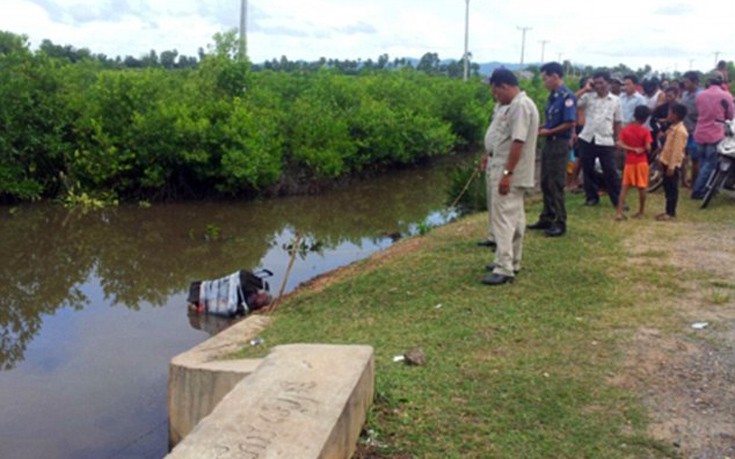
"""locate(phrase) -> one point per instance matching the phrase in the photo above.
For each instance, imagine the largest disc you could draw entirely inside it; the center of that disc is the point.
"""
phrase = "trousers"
(508, 224)
(606, 156)
(554, 158)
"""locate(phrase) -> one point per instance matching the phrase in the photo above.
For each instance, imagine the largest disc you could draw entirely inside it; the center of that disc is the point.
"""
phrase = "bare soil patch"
(687, 378)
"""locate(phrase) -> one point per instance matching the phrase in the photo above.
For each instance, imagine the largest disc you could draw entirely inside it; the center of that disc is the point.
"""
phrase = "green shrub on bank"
(76, 129)
(33, 124)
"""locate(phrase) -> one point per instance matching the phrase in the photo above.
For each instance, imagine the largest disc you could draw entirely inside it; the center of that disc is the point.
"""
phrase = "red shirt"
(637, 136)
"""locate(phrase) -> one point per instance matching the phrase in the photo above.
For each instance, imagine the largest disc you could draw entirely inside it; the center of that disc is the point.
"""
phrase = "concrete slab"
(198, 380)
(303, 401)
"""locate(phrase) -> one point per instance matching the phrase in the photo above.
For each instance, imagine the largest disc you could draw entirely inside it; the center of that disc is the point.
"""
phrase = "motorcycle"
(723, 176)
(655, 171)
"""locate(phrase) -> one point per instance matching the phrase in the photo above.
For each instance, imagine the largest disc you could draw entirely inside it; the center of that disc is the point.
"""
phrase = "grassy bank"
(528, 370)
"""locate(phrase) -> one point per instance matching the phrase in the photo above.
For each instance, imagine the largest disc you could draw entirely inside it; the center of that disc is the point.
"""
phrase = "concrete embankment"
(302, 400)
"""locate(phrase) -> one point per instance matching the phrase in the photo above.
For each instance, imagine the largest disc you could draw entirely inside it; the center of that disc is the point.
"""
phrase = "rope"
(294, 251)
(467, 185)
(119, 452)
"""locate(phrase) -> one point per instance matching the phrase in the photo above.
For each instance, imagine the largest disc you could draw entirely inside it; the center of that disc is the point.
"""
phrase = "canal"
(93, 304)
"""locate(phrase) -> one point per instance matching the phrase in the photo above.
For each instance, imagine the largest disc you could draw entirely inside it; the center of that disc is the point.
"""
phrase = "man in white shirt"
(603, 116)
(630, 98)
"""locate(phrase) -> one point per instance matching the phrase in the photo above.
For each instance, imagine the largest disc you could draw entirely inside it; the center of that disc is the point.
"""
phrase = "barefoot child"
(636, 140)
(672, 155)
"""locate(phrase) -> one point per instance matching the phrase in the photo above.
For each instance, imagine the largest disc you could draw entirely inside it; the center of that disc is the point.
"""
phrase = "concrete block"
(198, 380)
(303, 401)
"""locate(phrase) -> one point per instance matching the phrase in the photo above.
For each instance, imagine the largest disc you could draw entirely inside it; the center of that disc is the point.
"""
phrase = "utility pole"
(243, 30)
(543, 48)
(691, 63)
(717, 57)
(523, 41)
(466, 39)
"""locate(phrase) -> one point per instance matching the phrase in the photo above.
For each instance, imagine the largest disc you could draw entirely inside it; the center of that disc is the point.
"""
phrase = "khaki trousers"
(489, 195)
(508, 225)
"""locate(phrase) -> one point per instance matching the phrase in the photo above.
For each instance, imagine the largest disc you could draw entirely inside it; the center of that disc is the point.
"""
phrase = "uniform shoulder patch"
(569, 103)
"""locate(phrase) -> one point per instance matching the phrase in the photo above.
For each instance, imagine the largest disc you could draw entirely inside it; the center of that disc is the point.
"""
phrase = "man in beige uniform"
(489, 136)
(511, 173)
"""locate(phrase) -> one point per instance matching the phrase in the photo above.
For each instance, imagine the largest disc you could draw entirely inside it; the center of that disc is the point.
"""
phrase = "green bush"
(33, 122)
(76, 128)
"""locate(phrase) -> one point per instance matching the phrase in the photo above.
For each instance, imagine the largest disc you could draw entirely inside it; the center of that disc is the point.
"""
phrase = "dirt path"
(686, 377)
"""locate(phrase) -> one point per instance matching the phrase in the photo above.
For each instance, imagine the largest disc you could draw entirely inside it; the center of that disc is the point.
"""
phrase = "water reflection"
(144, 255)
(92, 305)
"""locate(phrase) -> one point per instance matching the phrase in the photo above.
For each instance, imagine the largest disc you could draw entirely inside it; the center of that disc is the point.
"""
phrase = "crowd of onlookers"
(706, 101)
(674, 126)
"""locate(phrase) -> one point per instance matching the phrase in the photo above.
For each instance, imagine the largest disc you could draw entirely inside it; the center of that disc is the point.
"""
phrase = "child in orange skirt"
(636, 140)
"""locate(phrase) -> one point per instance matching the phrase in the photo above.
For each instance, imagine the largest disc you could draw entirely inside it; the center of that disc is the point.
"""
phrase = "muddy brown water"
(92, 305)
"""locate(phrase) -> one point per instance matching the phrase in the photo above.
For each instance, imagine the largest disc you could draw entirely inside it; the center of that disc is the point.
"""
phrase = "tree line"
(171, 59)
(77, 128)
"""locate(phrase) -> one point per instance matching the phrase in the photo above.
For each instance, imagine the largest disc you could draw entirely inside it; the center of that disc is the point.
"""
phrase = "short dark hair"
(503, 76)
(679, 110)
(583, 81)
(649, 85)
(553, 68)
(673, 88)
(601, 74)
(692, 76)
(632, 78)
(641, 113)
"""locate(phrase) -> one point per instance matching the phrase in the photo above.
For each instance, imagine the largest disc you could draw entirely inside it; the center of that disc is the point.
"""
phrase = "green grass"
(516, 371)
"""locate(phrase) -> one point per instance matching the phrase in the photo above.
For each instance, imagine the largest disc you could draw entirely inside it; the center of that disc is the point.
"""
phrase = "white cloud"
(658, 32)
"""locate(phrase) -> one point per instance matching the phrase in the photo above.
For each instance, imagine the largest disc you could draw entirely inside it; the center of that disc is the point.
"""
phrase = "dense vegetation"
(85, 128)
(75, 128)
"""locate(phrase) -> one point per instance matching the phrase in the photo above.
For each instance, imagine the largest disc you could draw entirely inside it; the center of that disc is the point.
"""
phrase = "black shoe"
(539, 225)
(592, 202)
(556, 231)
(492, 268)
(497, 279)
(487, 243)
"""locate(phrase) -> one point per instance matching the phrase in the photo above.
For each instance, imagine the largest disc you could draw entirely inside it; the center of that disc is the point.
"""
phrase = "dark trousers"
(554, 158)
(671, 189)
(606, 155)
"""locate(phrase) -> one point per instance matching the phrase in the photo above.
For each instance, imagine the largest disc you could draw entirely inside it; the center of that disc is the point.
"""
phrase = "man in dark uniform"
(561, 116)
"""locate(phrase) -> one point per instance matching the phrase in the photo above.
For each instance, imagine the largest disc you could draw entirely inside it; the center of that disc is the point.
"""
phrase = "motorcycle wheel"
(713, 186)
(655, 172)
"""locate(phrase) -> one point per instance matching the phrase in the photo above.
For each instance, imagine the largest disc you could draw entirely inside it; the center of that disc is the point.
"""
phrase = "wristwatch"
(506, 172)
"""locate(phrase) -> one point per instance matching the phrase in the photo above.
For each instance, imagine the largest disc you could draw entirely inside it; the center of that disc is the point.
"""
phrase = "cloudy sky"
(667, 34)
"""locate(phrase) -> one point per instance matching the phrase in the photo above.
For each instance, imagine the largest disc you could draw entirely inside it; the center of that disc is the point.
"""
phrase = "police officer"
(511, 173)
(561, 117)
